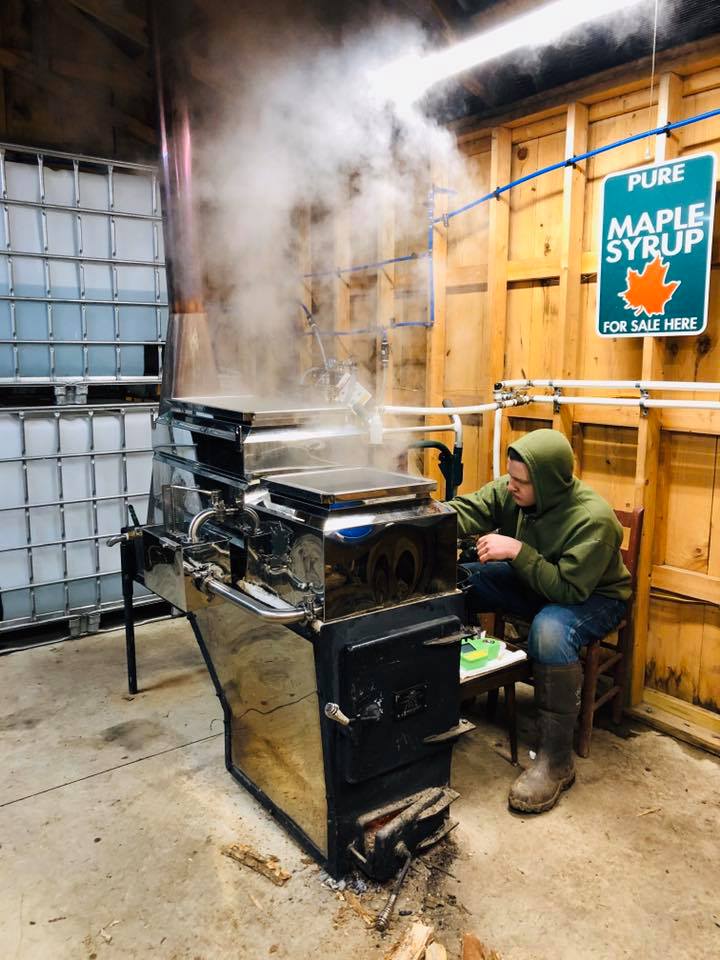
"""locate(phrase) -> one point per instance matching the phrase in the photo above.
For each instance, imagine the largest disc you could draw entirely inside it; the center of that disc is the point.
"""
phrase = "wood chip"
(474, 949)
(355, 904)
(413, 944)
(267, 866)
(436, 951)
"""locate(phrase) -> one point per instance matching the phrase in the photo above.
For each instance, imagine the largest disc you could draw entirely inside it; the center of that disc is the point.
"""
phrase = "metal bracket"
(557, 392)
(67, 394)
(644, 395)
(84, 624)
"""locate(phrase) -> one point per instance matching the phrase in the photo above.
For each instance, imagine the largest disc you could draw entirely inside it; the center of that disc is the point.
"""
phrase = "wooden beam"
(130, 80)
(655, 713)
(343, 258)
(493, 368)
(648, 450)
(713, 568)
(701, 81)
(116, 16)
(306, 344)
(385, 300)
(436, 335)
(542, 127)
(683, 709)
(71, 90)
(473, 276)
(571, 235)
(692, 421)
(686, 583)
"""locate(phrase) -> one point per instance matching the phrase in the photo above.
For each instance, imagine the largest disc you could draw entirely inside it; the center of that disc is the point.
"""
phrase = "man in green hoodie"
(549, 552)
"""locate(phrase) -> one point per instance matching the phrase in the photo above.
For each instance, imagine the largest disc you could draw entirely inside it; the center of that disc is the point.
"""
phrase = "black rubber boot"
(557, 697)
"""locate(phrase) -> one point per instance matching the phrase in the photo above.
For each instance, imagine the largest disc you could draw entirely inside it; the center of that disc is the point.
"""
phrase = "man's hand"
(493, 546)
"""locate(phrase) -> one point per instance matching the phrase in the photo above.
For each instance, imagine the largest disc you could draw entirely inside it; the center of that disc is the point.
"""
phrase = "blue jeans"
(558, 631)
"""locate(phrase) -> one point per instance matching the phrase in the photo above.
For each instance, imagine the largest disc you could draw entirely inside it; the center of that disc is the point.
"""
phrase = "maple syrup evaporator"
(319, 579)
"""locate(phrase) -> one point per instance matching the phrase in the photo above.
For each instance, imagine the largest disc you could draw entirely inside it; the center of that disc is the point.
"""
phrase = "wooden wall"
(75, 75)
(515, 289)
(545, 253)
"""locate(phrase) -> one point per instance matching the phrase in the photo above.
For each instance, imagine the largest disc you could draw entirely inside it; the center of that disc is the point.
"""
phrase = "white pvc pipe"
(683, 404)
(451, 411)
(497, 433)
(677, 386)
(447, 429)
(597, 401)
(631, 402)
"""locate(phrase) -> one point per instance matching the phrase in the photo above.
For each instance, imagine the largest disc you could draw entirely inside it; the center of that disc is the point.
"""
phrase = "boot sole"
(525, 807)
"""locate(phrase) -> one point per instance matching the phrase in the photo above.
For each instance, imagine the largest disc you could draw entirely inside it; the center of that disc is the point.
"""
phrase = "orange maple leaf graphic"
(647, 292)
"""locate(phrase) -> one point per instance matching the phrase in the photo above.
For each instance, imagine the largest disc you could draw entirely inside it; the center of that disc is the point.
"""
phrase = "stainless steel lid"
(258, 412)
(348, 484)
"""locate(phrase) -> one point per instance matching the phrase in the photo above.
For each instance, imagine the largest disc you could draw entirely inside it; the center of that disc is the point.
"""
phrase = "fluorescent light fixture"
(408, 78)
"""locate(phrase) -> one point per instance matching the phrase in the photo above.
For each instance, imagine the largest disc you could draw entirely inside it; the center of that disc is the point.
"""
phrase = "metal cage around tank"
(69, 476)
(83, 308)
(82, 269)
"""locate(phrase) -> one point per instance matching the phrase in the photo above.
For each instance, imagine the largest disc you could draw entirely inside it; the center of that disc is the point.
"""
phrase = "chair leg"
(512, 720)
(621, 672)
(592, 661)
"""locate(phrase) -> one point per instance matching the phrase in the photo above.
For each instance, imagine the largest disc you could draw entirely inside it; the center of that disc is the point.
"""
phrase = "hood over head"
(549, 459)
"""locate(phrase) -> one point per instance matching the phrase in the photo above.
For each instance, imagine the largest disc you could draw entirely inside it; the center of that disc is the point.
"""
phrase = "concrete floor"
(114, 812)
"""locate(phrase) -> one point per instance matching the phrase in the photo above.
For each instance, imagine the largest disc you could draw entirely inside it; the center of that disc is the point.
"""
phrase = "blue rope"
(493, 195)
(364, 266)
(332, 332)
(430, 253)
(572, 161)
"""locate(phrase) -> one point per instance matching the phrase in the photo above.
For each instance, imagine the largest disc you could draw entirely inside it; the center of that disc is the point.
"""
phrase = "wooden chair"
(602, 658)
(605, 658)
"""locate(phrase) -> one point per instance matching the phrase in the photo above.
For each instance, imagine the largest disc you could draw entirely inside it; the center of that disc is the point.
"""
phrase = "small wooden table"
(491, 681)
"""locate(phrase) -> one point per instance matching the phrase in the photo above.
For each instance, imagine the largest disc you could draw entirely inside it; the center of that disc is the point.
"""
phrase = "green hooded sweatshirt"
(570, 538)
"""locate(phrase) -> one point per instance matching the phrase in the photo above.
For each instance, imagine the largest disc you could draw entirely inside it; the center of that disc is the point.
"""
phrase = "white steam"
(307, 127)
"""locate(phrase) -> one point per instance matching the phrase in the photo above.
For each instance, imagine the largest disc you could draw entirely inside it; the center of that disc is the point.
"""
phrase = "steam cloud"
(305, 127)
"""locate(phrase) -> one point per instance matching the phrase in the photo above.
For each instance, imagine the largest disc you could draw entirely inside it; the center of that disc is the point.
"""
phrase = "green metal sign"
(655, 248)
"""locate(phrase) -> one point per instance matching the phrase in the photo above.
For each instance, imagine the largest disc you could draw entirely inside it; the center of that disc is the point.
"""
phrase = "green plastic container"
(476, 652)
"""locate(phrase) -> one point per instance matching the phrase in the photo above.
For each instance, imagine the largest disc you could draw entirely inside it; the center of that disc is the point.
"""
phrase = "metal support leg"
(127, 589)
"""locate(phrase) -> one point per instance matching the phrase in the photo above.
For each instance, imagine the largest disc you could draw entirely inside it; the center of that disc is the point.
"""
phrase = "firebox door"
(399, 690)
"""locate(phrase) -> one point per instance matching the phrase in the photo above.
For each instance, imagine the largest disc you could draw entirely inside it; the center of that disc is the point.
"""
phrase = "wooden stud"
(576, 137)
(648, 456)
(686, 583)
(343, 258)
(684, 710)
(306, 346)
(708, 693)
(714, 544)
(121, 21)
(498, 240)
(436, 335)
(385, 299)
